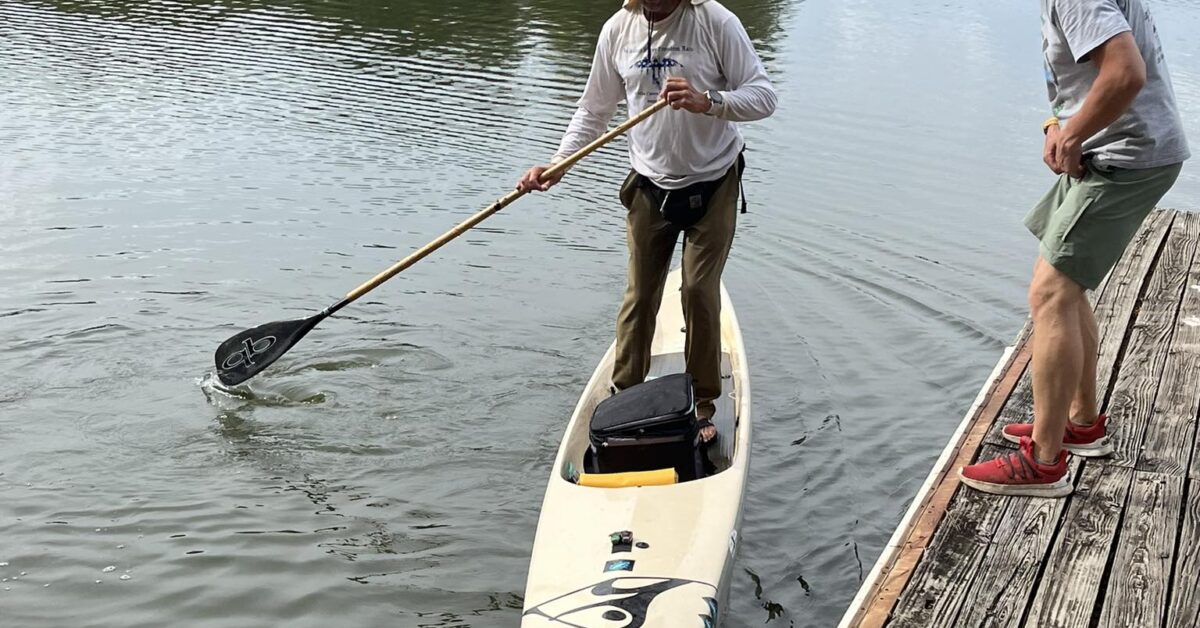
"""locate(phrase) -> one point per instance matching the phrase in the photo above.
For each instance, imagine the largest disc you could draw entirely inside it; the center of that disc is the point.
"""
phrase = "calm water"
(172, 171)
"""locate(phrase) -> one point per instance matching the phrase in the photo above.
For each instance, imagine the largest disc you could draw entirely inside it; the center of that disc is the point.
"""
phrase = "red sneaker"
(1090, 441)
(1019, 473)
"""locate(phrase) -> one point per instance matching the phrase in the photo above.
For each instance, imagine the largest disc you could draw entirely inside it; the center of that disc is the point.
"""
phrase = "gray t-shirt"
(1149, 134)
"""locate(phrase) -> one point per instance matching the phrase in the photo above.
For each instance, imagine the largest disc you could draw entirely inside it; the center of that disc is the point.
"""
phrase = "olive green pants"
(651, 240)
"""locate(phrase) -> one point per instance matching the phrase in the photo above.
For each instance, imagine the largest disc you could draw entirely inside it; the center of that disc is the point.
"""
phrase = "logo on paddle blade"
(246, 353)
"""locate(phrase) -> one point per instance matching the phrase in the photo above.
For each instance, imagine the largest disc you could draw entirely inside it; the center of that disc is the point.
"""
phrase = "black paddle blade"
(249, 352)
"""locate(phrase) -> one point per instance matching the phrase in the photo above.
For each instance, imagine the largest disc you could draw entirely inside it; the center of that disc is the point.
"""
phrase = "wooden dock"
(1124, 549)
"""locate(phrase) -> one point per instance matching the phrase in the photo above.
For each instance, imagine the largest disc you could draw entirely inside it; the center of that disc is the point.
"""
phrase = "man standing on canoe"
(685, 167)
(1117, 141)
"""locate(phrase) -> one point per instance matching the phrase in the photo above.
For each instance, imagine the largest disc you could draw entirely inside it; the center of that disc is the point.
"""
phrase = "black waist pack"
(688, 205)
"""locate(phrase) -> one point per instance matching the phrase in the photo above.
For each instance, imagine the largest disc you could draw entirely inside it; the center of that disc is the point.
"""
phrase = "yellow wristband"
(1052, 121)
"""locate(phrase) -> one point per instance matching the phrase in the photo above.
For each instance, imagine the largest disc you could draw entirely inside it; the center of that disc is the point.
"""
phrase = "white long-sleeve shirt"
(701, 41)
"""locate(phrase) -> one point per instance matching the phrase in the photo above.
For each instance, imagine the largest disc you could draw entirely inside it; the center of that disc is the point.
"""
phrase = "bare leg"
(1058, 355)
(1083, 408)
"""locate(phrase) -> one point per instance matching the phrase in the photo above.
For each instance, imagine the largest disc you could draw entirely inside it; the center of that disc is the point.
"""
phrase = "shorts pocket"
(1073, 220)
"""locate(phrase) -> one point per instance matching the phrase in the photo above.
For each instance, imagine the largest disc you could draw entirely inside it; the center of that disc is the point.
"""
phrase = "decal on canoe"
(711, 619)
(618, 565)
(625, 602)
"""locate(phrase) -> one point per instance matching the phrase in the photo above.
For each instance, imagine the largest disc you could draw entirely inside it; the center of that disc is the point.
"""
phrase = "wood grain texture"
(1171, 432)
(1070, 585)
(1136, 389)
(937, 591)
(1116, 306)
(1003, 586)
(1141, 573)
(1184, 609)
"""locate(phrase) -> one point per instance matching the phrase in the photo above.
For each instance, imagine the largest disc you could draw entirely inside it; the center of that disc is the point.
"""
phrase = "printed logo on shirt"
(655, 60)
(655, 66)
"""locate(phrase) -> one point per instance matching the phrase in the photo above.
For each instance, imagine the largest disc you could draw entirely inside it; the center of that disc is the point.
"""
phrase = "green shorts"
(1085, 224)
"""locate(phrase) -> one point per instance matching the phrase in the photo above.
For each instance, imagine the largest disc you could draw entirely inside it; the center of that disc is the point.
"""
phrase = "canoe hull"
(686, 536)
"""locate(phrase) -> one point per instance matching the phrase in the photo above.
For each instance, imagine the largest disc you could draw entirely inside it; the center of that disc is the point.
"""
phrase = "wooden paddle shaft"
(465, 225)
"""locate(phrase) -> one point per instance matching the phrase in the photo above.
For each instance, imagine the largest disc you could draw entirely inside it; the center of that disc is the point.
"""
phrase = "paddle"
(247, 353)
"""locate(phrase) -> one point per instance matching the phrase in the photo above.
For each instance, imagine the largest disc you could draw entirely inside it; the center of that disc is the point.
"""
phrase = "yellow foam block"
(657, 477)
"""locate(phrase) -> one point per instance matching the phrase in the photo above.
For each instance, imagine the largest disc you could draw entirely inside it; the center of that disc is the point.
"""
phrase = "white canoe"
(686, 535)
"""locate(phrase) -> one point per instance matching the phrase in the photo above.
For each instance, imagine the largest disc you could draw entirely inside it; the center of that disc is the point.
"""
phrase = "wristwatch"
(717, 100)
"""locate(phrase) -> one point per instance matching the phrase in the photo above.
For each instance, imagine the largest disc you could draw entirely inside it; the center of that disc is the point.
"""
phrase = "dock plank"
(985, 543)
(1126, 282)
(936, 592)
(1138, 589)
(1133, 398)
(1070, 584)
(1171, 432)
(1185, 586)
(1003, 585)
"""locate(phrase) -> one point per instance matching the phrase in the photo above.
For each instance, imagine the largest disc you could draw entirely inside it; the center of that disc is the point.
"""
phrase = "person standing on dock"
(686, 167)
(1117, 142)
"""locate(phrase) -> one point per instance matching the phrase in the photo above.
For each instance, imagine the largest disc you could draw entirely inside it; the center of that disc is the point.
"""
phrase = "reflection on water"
(173, 172)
